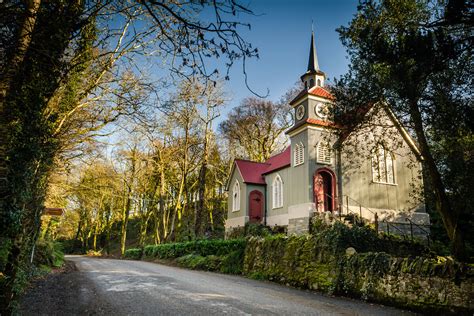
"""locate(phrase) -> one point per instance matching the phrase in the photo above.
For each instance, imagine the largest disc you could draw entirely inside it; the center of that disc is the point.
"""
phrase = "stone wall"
(425, 284)
(298, 226)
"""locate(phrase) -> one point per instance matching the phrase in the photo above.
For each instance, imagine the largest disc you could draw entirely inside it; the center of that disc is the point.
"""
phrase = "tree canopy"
(417, 56)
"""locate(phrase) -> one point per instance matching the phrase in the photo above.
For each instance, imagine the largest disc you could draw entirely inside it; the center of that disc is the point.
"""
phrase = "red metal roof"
(280, 160)
(253, 172)
(320, 92)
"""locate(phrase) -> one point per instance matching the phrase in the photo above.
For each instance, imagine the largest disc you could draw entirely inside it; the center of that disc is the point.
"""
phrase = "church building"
(372, 170)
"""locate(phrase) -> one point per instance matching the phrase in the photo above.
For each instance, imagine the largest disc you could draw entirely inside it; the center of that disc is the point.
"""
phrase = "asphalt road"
(122, 287)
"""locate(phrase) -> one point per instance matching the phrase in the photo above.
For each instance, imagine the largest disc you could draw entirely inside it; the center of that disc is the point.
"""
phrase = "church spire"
(313, 75)
(313, 65)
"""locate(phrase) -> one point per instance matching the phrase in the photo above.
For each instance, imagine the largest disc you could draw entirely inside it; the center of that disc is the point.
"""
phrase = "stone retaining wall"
(424, 284)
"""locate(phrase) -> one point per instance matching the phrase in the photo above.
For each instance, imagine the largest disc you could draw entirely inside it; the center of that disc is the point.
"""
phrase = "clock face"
(299, 112)
(321, 110)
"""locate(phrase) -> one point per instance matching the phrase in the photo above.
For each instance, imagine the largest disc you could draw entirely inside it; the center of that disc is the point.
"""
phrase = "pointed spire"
(313, 65)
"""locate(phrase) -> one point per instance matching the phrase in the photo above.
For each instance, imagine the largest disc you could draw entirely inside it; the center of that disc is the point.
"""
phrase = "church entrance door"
(324, 188)
(255, 206)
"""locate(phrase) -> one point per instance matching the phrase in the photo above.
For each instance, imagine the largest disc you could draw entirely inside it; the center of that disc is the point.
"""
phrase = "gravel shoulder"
(64, 291)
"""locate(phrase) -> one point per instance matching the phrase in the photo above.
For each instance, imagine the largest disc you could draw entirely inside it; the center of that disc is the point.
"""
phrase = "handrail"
(420, 227)
(360, 204)
(375, 214)
(390, 224)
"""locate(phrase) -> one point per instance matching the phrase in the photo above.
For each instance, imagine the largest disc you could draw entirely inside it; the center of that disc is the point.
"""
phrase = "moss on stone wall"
(320, 262)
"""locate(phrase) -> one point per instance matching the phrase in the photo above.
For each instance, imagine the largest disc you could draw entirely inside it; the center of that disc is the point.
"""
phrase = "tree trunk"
(123, 228)
(7, 293)
(443, 205)
(200, 209)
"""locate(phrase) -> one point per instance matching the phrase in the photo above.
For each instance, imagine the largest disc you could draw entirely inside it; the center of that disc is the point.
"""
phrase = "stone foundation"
(298, 226)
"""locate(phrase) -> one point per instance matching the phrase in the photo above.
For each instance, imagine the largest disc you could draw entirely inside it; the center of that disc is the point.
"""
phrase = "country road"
(121, 287)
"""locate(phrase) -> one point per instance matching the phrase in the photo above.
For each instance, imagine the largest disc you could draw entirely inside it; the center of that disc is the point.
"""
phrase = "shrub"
(217, 247)
(197, 262)
(254, 230)
(5, 245)
(233, 262)
(48, 253)
(134, 253)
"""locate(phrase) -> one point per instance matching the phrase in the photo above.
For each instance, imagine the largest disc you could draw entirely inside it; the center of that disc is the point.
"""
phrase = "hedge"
(217, 247)
(134, 253)
(226, 256)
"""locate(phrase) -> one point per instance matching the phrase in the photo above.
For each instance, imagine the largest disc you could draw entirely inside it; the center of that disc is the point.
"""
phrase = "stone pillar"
(299, 218)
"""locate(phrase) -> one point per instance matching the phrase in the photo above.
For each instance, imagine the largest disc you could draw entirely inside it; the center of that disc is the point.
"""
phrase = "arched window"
(298, 153)
(383, 167)
(277, 187)
(319, 82)
(236, 197)
(311, 83)
(323, 152)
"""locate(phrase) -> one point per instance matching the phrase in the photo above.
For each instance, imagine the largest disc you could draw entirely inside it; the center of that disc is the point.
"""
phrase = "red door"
(324, 190)
(255, 206)
(319, 192)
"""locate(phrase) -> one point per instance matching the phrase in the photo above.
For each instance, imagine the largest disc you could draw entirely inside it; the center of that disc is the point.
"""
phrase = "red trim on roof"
(314, 122)
(253, 172)
(322, 123)
(316, 91)
(321, 92)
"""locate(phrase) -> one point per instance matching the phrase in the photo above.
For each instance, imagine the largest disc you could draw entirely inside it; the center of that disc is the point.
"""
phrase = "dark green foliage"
(226, 256)
(49, 253)
(252, 229)
(197, 262)
(218, 247)
(365, 239)
(134, 253)
(4, 251)
(233, 262)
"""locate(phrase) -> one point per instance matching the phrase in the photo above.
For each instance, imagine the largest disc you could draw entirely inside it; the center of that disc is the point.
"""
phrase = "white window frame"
(277, 192)
(383, 166)
(298, 154)
(236, 197)
(324, 156)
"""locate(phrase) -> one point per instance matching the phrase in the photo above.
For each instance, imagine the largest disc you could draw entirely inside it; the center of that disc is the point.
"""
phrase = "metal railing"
(412, 223)
(388, 224)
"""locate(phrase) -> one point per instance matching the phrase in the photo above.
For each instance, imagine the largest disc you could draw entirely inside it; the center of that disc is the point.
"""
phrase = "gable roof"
(254, 172)
(279, 161)
(363, 112)
(316, 91)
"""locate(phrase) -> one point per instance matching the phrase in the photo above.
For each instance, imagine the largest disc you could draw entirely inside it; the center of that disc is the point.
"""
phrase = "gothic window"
(323, 152)
(298, 154)
(277, 187)
(383, 166)
(236, 197)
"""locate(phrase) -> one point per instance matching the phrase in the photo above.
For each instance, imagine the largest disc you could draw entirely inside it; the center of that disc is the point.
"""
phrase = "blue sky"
(281, 30)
